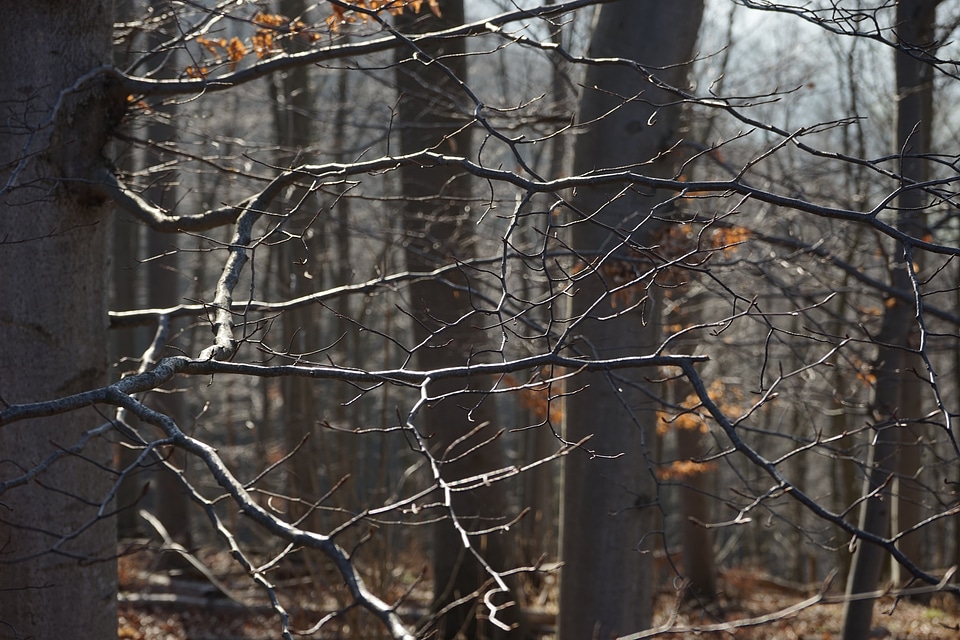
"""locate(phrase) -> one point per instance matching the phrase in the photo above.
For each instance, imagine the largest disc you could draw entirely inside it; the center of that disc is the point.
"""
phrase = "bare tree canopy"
(446, 319)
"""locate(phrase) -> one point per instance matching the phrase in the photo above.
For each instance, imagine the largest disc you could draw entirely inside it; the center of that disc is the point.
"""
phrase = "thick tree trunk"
(53, 322)
(915, 22)
(607, 581)
(437, 223)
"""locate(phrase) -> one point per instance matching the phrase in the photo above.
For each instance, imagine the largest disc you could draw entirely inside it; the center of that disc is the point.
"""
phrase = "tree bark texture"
(606, 583)
(57, 569)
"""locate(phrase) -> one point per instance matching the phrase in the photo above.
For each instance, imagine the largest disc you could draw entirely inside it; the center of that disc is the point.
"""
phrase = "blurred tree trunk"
(165, 285)
(128, 343)
(540, 528)
(53, 266)
(698, 561)
(437, 222)
(299, 271)
(908, 492)
(606, 584)
(915, 21)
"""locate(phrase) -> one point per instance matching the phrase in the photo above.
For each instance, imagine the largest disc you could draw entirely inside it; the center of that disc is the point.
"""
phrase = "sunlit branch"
(162, 87)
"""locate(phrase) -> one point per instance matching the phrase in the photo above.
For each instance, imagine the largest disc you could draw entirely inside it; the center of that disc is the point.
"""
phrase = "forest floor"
(754, 606)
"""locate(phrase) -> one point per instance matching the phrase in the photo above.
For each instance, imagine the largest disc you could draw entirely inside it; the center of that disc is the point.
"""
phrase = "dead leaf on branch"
(196, 72)
(235, 51)
(340, 15)
(728, 398)
(684, 469)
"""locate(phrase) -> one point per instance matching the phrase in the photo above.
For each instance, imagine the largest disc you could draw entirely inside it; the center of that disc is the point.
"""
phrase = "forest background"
(418, 319)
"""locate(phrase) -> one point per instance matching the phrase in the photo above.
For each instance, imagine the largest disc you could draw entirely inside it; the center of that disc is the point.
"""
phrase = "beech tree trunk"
(53, 266)
(606, 583)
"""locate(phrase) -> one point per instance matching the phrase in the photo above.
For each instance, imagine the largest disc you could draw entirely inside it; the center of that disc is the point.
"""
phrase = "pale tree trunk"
(53, 321)
(908, 492)
(606, 583)
(438, 228)
(539, 529)
(915, 22)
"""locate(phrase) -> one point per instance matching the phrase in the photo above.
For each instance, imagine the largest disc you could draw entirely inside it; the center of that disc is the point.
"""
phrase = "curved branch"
(351, 578)
(167, 368)
(791, 489)
(160, 87)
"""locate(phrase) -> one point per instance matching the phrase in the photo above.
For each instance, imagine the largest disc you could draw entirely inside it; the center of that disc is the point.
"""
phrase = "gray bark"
(53, 247)
(607, 581)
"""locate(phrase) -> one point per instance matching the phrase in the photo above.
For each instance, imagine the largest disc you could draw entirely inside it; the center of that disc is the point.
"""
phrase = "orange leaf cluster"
(234, 51)
(727, 397)
(689, 421)
(682, 469)
(684, 241)
(213, 46)
(341, 15)
(863, 372)
(196, 72)
(271, 25)
(133, 103)
(676, 240)
(728, 238)
(671, 243)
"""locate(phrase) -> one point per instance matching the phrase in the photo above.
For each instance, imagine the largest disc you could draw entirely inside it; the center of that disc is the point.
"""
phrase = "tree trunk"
(915, 21)
(698, 560)
(165, 285)
(437, 224)
(909, 492)
(129, 343)
(293, 103)
(540, 528)
(607, 581)
(53, 252)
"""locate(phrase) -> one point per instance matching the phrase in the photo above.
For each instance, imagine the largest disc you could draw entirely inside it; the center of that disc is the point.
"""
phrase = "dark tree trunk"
(53, 270)
(915, 23)
(437, 223)
(606, 584)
